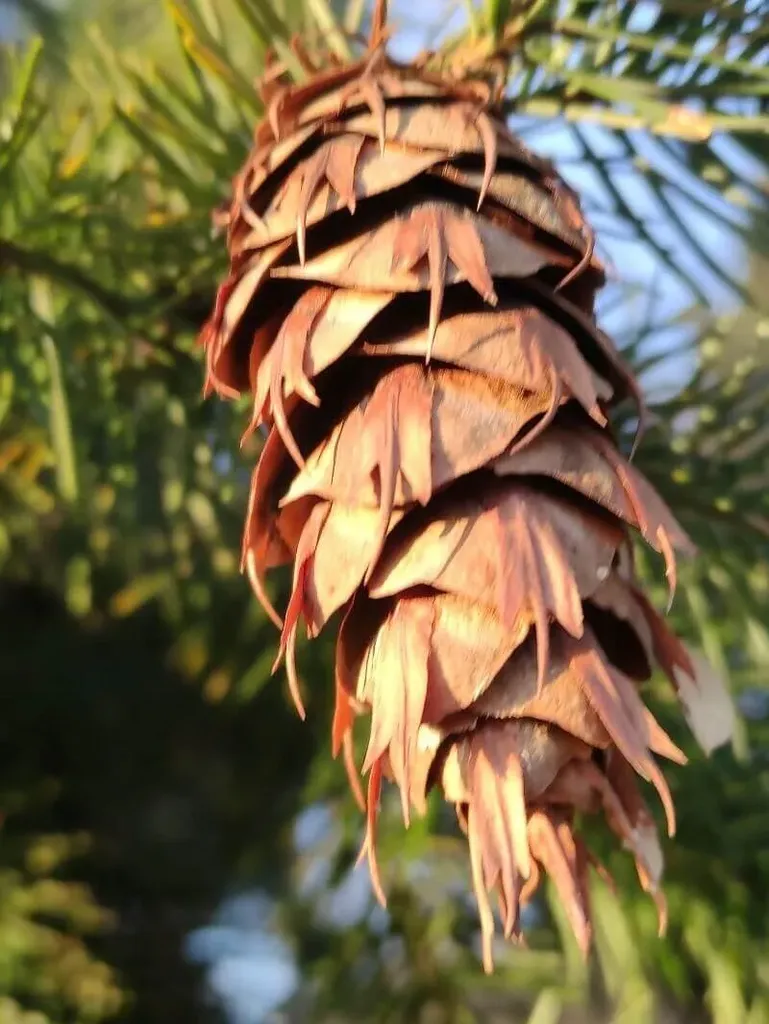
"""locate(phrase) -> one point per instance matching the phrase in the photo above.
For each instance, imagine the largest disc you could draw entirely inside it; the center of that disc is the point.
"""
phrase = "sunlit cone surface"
(410, 304)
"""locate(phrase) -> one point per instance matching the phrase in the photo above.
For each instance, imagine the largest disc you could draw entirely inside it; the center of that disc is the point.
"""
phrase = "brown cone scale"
(410, 305)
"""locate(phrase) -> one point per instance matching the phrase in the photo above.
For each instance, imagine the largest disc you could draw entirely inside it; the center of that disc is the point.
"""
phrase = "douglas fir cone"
(411, 305)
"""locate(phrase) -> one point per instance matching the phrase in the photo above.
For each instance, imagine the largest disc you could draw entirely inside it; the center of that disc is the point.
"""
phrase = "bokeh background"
(175, 845)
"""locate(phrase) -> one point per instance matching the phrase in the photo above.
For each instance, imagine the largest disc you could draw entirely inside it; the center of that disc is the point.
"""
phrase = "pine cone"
(411, 305)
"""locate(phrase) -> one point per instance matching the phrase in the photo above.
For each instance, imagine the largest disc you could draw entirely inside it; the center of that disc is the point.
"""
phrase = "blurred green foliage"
(148, 768)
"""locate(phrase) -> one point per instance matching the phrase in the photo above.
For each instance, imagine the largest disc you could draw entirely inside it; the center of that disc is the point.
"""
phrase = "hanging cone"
(410, 305)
